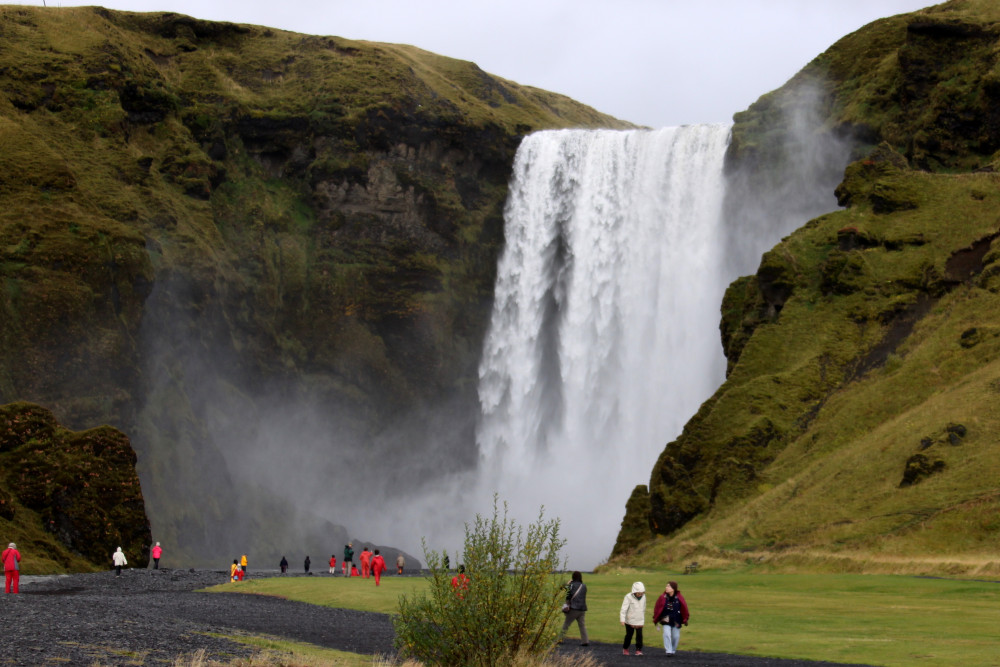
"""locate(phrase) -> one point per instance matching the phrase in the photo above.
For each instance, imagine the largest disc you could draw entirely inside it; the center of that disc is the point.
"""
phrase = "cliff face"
(212, 233)
(858, 414)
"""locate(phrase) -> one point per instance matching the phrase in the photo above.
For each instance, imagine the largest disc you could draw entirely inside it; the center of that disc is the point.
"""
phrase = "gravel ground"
(148, 617)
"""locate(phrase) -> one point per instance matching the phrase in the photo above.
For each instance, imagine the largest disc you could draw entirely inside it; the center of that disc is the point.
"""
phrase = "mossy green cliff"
(857, 426)
(197, 213)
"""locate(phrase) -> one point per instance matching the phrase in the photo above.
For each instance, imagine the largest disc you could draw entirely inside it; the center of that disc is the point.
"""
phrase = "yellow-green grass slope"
(858, 429)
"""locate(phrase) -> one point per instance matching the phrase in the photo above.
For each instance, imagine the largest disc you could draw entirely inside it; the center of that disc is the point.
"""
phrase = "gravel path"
(148, 617)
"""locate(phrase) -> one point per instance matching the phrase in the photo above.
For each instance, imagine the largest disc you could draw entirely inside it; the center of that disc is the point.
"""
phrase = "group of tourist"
(670, 612)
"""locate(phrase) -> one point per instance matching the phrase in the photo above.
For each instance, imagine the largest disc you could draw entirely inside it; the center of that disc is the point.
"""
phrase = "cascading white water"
(603, 340)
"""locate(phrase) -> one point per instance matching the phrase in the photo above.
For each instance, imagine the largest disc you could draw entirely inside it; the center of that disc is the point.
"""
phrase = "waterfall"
(604, 334)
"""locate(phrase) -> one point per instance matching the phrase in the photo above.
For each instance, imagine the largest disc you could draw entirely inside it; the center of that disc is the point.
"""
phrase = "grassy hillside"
(856, 430)
(212, 233)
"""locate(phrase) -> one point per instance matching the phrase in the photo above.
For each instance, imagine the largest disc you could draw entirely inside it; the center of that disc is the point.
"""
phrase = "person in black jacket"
(284, 565)
(575, 607)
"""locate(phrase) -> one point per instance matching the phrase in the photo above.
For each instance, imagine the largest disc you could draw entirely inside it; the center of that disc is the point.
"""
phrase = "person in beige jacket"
(633, 616)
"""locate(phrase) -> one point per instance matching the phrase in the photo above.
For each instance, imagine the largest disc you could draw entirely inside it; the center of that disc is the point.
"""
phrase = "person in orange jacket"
(366, 563)
(378, 566)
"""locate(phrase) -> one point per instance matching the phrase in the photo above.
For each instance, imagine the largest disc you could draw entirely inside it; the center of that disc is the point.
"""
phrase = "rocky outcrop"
(66, 495)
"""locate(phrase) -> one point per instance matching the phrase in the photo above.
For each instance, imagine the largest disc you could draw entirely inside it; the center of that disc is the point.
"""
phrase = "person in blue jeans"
(671, 611)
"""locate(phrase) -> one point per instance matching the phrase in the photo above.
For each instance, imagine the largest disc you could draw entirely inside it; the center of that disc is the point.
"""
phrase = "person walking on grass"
(575, 607)
(671, 611)
(378, 566)
(400, 563)
(118, 558)
(11, 558)
(633, 616)
(366, 563)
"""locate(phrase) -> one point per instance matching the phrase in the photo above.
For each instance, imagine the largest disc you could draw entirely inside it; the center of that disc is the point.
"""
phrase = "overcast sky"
(652, 62)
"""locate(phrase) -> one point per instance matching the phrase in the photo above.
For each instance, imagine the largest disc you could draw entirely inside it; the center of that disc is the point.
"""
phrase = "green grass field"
(876, 620)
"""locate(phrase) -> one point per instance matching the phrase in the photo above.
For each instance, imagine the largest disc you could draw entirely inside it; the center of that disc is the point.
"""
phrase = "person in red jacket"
(333, 565)
(156, 553)
(366, 563)
(378, 566)
(11, 558)
(460, 582)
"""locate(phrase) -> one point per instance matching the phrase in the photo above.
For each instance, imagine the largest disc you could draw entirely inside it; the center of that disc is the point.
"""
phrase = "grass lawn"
(870, 619)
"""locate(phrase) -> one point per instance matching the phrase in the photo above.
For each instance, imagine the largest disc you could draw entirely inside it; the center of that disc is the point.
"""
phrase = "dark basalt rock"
(82, 486)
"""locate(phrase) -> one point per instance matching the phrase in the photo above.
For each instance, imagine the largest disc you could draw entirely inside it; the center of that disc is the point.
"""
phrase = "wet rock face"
(80, 487)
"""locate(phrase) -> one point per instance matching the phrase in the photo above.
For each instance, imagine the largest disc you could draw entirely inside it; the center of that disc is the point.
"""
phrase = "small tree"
(510, 605)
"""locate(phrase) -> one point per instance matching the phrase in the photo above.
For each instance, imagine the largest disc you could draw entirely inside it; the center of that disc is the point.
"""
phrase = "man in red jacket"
(11, 558)
(378, 566)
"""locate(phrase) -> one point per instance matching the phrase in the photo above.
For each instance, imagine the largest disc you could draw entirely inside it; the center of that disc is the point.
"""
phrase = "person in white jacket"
(633, 616)
(119, 560)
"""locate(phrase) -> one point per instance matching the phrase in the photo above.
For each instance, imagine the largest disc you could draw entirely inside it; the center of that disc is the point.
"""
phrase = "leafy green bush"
(508, 608)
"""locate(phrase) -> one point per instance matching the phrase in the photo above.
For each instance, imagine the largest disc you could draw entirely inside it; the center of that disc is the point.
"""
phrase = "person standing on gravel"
(156, 553)
(283, 565)
(233, 569)
(118, 558)
(333, 565)
(307, 564)
(243, 563)
(633, 617)
(11, 558)
(348, 558)
(671, 610)
(575, 607)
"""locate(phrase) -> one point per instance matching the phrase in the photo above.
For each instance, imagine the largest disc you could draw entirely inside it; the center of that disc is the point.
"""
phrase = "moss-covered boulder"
(65, 491)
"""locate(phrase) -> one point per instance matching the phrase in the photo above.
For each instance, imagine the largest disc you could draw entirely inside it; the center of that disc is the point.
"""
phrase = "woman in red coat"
(378, 566)
(672, 612)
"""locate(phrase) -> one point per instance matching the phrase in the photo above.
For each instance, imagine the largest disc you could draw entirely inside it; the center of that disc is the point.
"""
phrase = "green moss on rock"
(81, 488)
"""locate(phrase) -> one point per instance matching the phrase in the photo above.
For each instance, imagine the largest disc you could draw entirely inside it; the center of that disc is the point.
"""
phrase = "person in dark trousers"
(156, 552)
(307, 564)
(400, 563)
(284, 565)
(118, 558)
(575, 607)
(671, 611)
(633, 617)
(348, 558)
